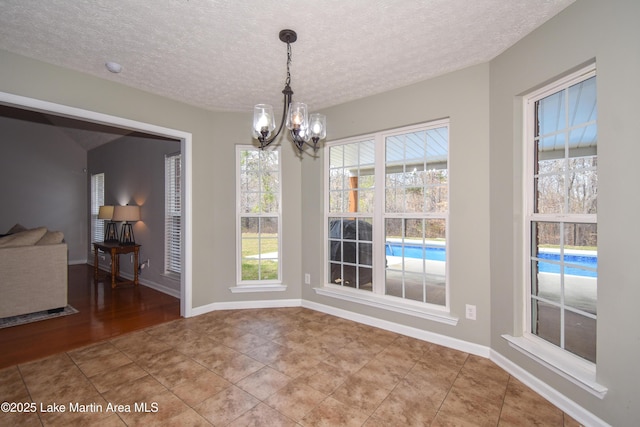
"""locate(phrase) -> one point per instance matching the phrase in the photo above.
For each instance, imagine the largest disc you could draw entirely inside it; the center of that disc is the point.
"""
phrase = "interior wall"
(608, 32)
(43, 182)
(134, 174)
(214, 137)
(463, 97)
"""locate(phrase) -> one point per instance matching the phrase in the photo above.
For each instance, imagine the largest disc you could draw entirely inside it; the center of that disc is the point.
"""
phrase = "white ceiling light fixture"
(302, 126)
(114, 67)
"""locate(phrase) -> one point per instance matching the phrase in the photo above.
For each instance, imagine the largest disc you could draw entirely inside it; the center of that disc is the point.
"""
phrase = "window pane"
(550, 194)
(248, 202)
(551, 114)
(545, 321)
(350, 252)
(338, 201)
(580, 335)
(337, 179)
(416, 259)
(583, 192)
(582, 102)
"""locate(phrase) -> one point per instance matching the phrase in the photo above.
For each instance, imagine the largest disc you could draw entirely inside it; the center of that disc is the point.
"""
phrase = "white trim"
(185, 146)
(565, 404)
(397, 305)
(242, 305)
(153, 285)
(454, 343)
(257, 288)
(572, 368)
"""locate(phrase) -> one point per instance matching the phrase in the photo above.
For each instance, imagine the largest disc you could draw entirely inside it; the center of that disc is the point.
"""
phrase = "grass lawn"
(254, 269)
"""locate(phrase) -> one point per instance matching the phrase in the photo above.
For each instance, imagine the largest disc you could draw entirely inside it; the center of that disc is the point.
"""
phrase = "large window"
(258, 215)
(97, 200)
(387, 213)
(561, 228)
(173, 214)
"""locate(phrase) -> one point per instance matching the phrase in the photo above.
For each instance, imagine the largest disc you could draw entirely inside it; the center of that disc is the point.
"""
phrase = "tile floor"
(269, 367)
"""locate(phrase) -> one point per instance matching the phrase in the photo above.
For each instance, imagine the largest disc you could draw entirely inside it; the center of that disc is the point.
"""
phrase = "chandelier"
(304, 128)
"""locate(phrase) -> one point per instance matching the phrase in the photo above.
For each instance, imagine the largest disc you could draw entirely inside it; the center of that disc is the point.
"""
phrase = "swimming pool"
(439, 254)
(576, 261)
(415, 251)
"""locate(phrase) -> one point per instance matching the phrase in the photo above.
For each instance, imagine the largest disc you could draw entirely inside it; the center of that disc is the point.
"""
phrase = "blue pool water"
(576, 262)
(415, 251)
(439, 254)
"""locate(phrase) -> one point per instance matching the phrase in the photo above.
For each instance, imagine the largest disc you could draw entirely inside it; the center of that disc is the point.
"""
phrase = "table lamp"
(127, 214)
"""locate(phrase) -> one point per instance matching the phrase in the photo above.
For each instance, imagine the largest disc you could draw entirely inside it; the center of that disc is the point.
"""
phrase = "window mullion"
(379, 217)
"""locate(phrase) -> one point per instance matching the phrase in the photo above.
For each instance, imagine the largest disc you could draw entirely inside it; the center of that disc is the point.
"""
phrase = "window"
(561, 226)
(387, 213)
(258, 215)
(97, 200)
(173, 214)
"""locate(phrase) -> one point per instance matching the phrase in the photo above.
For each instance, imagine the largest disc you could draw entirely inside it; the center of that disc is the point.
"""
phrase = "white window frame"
(377, 297)
(97, 200)
(574, 368)
(257, 285)
(173, 209)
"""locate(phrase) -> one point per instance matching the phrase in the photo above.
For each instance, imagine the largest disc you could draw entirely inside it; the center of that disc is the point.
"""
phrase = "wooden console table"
(115, 250)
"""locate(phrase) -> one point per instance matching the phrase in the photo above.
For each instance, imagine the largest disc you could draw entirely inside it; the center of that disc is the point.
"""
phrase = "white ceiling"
(225, 55)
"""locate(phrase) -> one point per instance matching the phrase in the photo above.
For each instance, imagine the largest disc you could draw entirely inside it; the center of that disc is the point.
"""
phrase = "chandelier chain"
(288, 81)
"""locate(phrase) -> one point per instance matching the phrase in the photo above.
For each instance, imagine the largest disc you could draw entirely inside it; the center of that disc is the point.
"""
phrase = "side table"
(115, 249)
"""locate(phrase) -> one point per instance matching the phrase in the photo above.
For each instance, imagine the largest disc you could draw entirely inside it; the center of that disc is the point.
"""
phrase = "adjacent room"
(426, 226)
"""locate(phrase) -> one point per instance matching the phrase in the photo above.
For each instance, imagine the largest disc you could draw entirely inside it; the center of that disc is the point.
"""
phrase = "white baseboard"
(565, 404)
(153, 285)
(240, 305)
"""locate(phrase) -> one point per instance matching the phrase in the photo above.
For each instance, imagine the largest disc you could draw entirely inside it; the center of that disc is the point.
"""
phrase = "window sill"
(574, 369)
(389, 303)
(257, 288)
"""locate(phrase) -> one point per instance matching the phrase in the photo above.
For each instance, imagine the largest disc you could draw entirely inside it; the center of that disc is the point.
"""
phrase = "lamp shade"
(105, 212)
(298, 118)
(126, 213)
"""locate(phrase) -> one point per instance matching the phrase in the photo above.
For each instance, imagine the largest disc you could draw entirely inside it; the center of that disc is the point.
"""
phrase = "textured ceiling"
(225, 55)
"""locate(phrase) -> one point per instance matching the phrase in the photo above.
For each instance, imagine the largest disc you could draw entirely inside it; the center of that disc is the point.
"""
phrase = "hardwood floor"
(103, 313)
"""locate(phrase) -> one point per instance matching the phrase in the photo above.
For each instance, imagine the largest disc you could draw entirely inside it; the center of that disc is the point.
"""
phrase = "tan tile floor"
(269, 367)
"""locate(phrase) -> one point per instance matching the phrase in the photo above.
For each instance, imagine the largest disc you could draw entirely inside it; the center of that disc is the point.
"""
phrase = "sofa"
(33, 271)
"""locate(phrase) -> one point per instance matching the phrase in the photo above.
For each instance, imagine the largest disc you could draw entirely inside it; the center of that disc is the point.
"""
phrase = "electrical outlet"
(307, 279)
(470, 311)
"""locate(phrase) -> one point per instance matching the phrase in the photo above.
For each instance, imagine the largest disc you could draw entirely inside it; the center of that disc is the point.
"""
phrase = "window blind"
(173, 214)
(97, 200)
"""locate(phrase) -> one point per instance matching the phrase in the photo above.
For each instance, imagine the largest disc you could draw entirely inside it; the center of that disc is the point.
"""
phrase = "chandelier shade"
(264, 122)
(304, 128)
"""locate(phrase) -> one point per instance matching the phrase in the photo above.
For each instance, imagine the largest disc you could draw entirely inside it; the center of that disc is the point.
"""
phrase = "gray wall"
(134, 174)
(607, 31)
(463, 97)
(485, 183)
(43, 182)
(214, 137)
